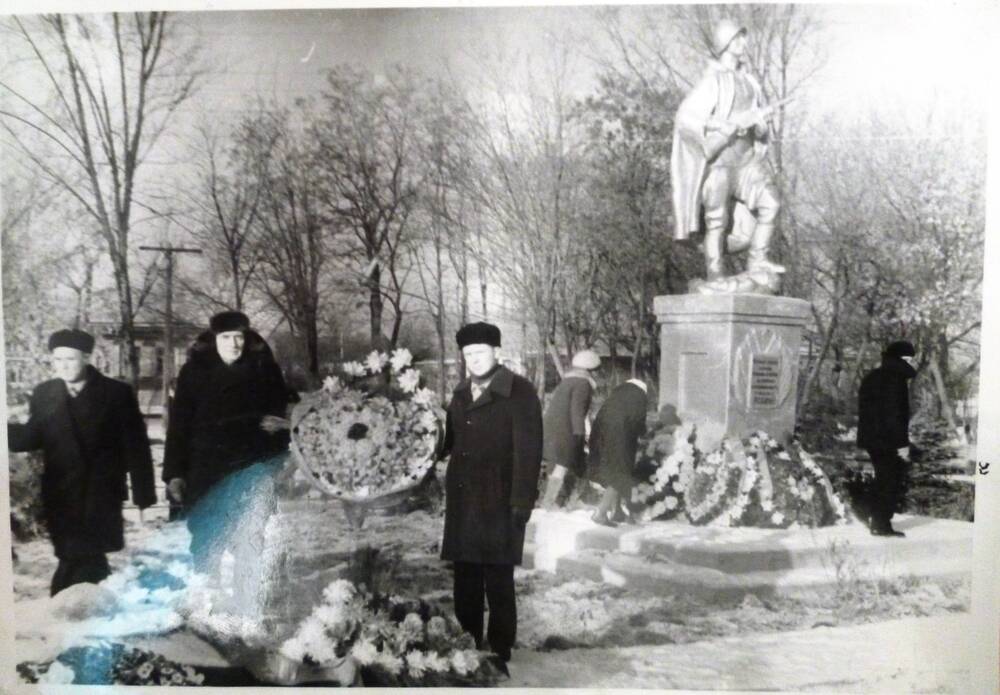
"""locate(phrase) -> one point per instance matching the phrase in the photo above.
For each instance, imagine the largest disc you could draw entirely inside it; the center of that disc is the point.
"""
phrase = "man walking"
(883, 430)
(494, 437)
(91, 434)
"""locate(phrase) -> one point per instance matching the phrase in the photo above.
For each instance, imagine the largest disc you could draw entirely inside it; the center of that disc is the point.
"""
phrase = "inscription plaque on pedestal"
(765, 376)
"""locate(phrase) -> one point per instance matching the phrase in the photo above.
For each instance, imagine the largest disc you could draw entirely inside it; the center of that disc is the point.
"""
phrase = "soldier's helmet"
(725, 31)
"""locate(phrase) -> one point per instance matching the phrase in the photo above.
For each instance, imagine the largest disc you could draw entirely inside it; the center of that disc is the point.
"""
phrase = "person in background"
(565, 425)
(226, 417)
(493, 435)
(883, 430)
(614, 442)
(92, 436)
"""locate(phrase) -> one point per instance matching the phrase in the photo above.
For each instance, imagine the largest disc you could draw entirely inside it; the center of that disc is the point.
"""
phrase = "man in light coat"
(494, 438)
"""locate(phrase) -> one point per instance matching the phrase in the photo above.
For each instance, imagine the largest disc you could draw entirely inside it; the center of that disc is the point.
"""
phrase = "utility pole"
(168, 332)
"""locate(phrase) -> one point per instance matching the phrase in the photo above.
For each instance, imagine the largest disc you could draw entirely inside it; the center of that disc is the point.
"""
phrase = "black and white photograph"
(574, 346)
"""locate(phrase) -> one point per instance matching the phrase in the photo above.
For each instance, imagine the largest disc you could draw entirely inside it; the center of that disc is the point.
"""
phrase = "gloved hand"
(175, 489)
(520, 516)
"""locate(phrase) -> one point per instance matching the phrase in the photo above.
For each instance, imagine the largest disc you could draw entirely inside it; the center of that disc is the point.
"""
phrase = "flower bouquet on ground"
(664, 464)
(109, 664)
(391, 641)
(759, 483)
(367, 437)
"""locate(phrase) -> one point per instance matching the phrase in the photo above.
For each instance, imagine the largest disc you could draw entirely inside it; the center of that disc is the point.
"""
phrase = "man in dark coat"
(614, 442)
(225, 417)
(883, 430)
(565, 423)
(494, 437)
(92, 435)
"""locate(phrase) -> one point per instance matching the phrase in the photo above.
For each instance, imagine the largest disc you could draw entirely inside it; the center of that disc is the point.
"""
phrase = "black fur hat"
(72, 338)
(229, 321)
(900, 348)
(478, 333)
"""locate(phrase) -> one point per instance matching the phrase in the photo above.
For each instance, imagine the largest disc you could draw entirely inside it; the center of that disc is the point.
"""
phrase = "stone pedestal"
(729, 362)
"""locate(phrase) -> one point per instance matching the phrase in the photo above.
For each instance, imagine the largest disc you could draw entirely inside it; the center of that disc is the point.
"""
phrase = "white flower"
(416, 663)
(354, 369)
(390, 662)
(437, 626)
(338, 592)
(364, 652)
(293, 649)
(461, 664)
(401, 359)
(767, 505)
(424, 397)
(670, 503)
(332, 384)
(330, 615)
(777, 518)
(376, 361)
(409, 380)
(435, 662)
(61, 674)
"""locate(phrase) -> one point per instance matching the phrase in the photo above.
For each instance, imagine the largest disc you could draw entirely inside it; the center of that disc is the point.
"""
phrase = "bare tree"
(365, 144)
(114, 81)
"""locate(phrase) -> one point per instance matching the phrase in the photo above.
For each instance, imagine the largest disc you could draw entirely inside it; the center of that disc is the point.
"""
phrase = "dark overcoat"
(496, 453)
(89, 446)
(566, 417)
(884, 406)
(614, 437)
(214, 427)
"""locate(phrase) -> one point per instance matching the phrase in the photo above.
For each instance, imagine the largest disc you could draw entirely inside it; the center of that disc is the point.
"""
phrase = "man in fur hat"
(226, 391)
(721, 179)
(883, 430)
(92, 436)
(494, 437)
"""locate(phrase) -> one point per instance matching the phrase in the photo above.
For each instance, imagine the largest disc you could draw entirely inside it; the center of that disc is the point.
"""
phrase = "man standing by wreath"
(883, 430)
(494, 437)
(92, 436)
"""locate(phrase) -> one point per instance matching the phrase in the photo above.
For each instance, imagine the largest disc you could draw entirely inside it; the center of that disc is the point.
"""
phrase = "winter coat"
(496, 453)
(566, 418)
(215, 417)
(614, 437)
(884, 406)
(89, 444)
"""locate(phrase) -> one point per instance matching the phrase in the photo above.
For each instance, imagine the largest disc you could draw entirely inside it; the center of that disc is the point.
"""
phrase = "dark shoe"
(890, 532)
(603, 520)
(499, 663)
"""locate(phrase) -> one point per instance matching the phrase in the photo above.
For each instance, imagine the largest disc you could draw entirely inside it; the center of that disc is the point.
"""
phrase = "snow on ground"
(916, 655)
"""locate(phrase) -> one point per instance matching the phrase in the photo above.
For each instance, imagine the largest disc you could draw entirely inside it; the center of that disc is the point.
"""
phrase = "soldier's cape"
(693, 148)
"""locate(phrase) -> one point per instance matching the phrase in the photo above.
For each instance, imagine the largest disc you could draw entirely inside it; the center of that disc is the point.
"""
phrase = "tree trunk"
(375, 307)
(945, 402)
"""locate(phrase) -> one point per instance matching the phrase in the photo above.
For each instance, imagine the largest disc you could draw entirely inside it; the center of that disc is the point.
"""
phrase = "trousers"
(475, 582)
(79, 570)
(890, 474)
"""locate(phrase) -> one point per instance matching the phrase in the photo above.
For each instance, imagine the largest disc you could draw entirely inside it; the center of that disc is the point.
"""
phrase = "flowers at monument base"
(665, 466)
(750, 482)
(371, 433)
(395, 641)
(759, 483)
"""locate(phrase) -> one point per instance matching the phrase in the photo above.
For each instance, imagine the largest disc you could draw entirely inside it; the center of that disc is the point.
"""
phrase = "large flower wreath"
(369, 434)
(750, 482)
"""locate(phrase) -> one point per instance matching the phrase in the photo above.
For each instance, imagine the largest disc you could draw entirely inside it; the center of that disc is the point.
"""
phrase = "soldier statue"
(722, 182)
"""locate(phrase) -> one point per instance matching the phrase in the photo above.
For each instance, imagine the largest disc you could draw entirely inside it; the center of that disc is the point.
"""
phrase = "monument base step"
(723, 562)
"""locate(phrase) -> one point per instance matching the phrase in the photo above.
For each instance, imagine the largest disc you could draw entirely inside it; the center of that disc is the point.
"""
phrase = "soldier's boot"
(713, 253)
(757, 257)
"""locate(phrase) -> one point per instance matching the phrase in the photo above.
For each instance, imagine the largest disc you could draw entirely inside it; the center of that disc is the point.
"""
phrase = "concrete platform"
(717, 561)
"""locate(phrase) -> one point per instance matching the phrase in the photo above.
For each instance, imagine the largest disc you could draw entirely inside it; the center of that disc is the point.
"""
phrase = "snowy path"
(910, 655)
